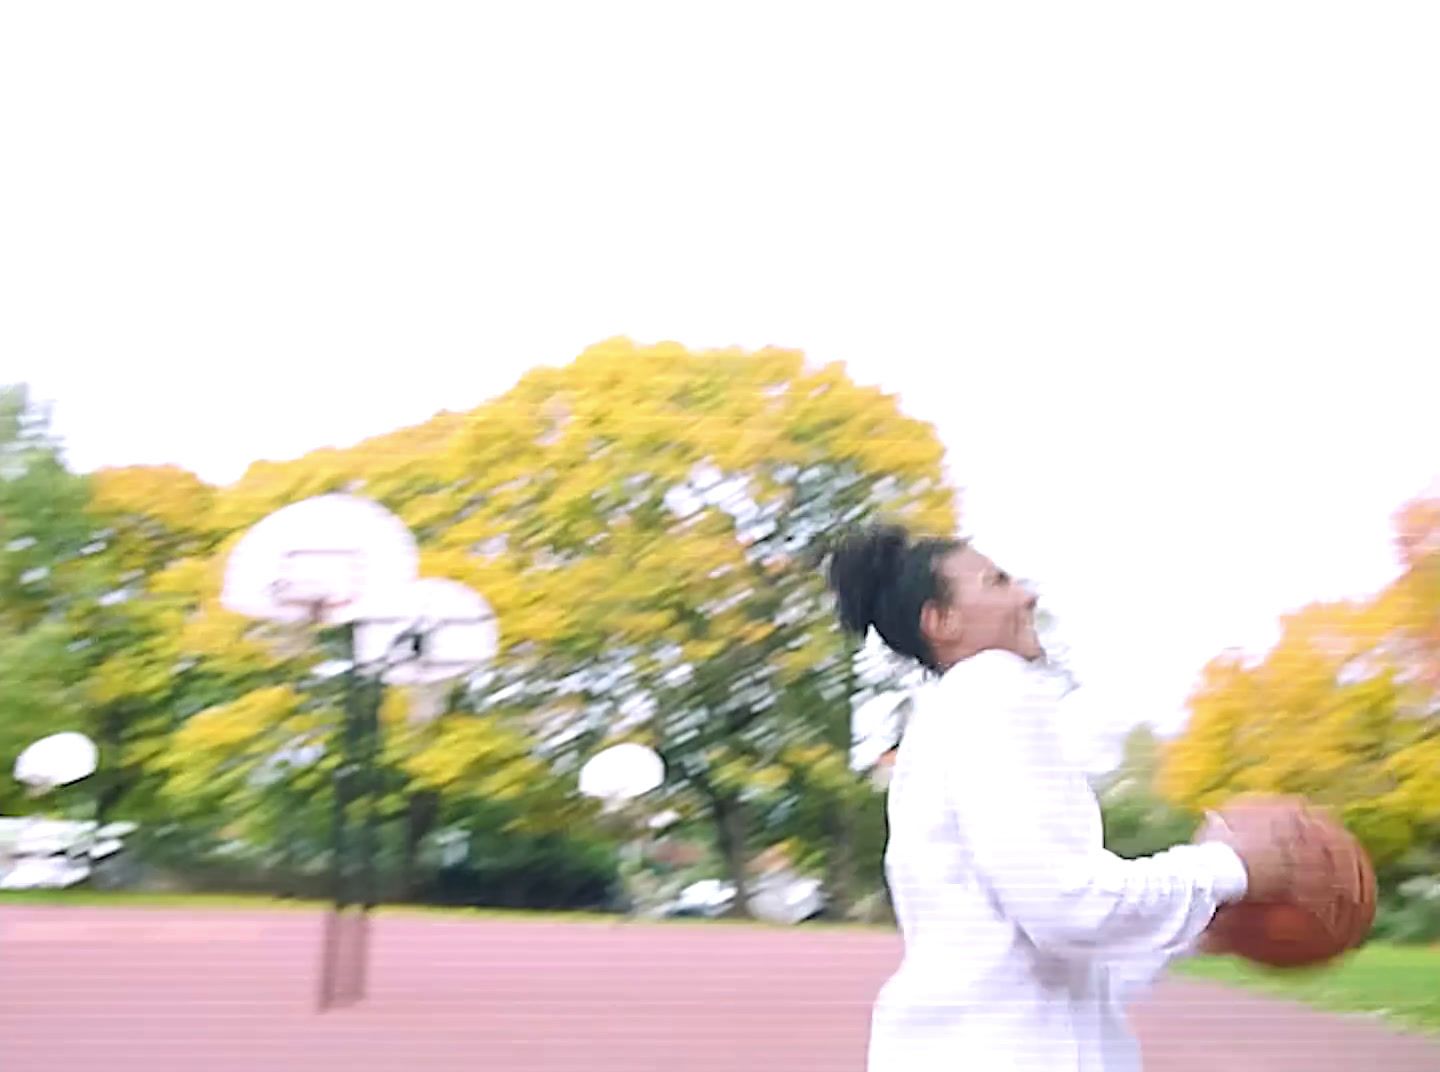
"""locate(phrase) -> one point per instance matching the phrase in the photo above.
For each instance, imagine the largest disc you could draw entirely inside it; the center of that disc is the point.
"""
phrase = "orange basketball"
(1331, 905)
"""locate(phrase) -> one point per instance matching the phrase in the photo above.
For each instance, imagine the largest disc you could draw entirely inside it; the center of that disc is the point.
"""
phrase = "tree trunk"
(109, 793)
(840, 859)
(109, 781)
(840, 819)
(730, 834)
(421, 811)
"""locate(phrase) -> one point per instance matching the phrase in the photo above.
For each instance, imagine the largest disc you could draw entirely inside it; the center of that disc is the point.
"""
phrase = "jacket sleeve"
(1031, 824)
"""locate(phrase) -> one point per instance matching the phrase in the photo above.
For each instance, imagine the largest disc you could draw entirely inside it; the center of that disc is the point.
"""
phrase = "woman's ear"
(939, 621)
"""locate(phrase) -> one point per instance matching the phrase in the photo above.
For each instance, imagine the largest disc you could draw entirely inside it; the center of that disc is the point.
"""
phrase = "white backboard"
(60, 759)
(622, 772)
(454, 626)
(319, 559)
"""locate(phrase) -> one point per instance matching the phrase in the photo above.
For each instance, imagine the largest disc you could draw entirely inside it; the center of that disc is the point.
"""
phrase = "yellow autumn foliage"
(650, 500)
(1331, 713)
(153, 514)
(216, 750)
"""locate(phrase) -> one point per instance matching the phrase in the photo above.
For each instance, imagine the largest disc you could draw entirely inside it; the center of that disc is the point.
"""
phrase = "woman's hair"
(881, 577)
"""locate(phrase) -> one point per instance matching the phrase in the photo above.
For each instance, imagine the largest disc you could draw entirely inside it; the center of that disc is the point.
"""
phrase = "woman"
(1022, 933)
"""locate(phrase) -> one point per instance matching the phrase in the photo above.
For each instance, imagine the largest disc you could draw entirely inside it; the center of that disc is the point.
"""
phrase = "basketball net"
(36, 789)
(311, 596)
(295, 638)
(292, 640)
(427, 702)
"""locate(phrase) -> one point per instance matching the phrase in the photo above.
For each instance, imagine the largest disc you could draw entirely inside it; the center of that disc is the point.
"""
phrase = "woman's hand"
(1279, 846)
(1212, 941)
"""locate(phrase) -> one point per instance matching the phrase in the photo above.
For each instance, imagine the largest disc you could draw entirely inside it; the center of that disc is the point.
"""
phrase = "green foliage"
(45, 532)
(1409, 912)
(1137, 820)
(46, 575)
(1142, 825)
(37, 674)
(515, 870)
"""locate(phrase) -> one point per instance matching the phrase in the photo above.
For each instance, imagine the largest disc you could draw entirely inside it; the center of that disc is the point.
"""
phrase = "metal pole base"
(346, 953)
(346, 956)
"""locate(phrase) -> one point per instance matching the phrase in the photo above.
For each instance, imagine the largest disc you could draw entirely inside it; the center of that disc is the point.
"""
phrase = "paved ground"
(131, 990)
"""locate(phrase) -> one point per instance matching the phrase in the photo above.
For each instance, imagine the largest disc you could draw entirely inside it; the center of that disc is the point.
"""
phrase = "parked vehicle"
(779, 898)
(52, 854)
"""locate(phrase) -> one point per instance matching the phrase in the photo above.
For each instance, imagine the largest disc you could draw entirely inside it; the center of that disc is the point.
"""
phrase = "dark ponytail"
(882, 578)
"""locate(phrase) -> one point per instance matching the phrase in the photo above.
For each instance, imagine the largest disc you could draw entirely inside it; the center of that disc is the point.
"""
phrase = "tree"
(44, 527)
(662, 516)
(1137, 820)
(159, 647)
(1412, 602)
(648, 523)
(1339, 711)
(89, 630)
(45, 573)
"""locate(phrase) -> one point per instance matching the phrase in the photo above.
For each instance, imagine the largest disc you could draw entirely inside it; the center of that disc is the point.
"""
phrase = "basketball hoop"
(343, 560)
(320, 583)
(308, 609)
(290, 640)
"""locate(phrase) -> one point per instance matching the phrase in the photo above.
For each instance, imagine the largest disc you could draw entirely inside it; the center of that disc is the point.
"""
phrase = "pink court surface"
(128, 990)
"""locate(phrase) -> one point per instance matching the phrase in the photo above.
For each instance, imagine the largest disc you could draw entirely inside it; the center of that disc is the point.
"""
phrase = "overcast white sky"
(1164, 275)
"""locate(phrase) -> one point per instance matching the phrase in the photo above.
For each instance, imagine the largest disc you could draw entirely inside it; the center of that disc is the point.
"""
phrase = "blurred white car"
(50, 854)
(708, 898)
(775, 898)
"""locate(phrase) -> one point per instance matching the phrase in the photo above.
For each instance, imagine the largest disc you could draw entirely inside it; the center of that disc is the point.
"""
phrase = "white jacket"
(1023, 936)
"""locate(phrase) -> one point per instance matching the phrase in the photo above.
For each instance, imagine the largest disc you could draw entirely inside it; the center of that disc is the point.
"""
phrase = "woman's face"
(987, 611)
